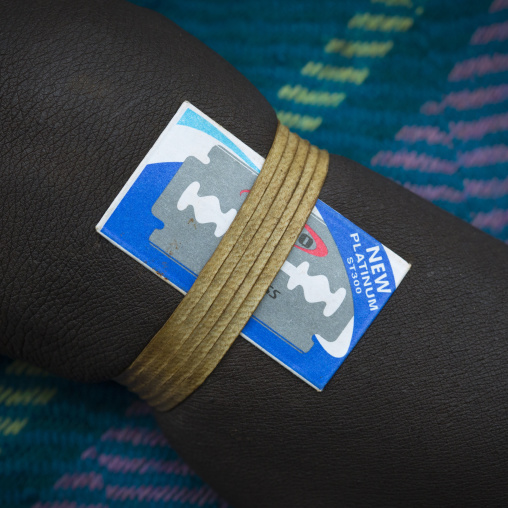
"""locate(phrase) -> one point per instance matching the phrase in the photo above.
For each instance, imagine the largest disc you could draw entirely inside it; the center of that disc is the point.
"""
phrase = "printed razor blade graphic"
(311, 293)
(178, 204)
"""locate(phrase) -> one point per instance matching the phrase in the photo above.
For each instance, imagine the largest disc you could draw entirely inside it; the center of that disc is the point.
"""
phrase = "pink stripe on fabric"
(67, 504)
(92, 481)
(494, 188)
(431, 135)
(436, 192)
(466, 131)
(160, 493)
(141, 465)
(496, 220)
(201, 495)
(476, 129)
(467, 99)
(479, 66)
(136, 436)
(485, 156)
(495, 32)
(89, 453)
(414, 161)
(498, 5)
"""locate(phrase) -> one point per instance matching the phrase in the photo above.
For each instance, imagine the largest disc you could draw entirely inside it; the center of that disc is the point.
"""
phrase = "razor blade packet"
(172, 213)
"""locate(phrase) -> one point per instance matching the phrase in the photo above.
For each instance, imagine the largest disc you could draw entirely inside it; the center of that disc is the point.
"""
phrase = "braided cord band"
(235, 279)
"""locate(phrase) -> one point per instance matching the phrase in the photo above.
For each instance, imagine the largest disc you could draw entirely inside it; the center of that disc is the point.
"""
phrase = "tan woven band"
(233, 282)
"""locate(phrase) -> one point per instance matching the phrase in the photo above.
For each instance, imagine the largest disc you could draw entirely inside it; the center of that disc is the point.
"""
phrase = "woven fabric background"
(415, 89)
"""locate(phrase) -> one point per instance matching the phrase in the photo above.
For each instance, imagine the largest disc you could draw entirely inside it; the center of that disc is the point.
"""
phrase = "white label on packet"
(175, 208)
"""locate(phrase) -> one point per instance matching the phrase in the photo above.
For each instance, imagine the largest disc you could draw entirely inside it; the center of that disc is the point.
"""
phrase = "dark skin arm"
(418, 412)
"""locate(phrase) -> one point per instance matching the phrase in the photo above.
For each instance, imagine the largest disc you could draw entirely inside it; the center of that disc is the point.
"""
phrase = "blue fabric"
(415, 89)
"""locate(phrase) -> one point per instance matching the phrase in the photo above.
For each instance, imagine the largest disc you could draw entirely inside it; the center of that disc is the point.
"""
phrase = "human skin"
(417, 415)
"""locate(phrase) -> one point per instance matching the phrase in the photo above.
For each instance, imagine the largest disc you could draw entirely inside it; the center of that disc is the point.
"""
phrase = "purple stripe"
(414, 161)
(67, 504)
(436, 192)
(159, 493)
(479, 128)
(496, 220)
(467, 99)
(415, 133)
(466, 131)
(494, 188)
(121, 464)
(209, 497)
(484, 189)
(489, 33)
(89, 453)
(202, 495)
(498, 5)
(485, 156)
(136, 436)
(141, 465)
(479, 66)
(92, 481)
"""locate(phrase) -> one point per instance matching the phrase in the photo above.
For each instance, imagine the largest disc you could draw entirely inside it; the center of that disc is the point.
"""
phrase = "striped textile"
(415, 89)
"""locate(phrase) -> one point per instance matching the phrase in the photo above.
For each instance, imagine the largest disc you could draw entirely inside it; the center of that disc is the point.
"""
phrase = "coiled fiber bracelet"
(232, 284)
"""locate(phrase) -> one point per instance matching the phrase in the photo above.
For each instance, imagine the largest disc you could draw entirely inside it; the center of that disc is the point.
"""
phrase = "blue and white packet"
(172, 213)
